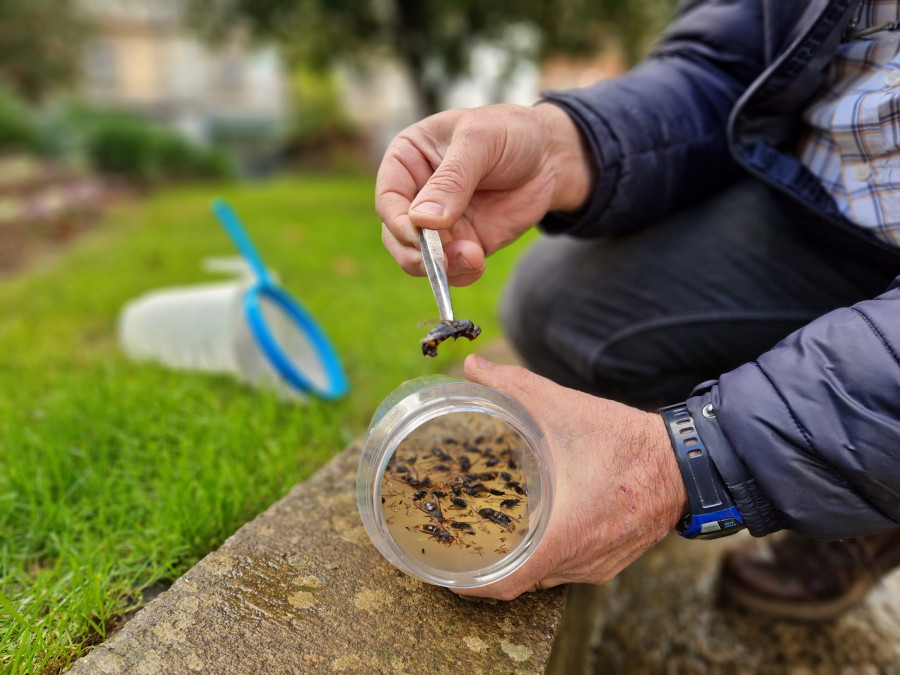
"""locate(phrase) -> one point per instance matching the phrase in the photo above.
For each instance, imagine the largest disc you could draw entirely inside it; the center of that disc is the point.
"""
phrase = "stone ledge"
(301, 589)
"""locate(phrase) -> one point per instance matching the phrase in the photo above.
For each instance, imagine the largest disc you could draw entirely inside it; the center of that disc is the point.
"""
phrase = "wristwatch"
(712, 511)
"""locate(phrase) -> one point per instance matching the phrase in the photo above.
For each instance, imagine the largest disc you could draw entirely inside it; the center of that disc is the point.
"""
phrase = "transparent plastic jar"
(455, 484)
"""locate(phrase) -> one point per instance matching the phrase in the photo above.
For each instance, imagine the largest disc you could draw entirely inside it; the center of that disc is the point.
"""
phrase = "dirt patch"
(45, 206)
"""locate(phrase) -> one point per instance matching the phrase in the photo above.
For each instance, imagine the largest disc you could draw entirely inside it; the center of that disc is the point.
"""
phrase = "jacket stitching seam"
(800, 428)
(872, 507)
(877, 332)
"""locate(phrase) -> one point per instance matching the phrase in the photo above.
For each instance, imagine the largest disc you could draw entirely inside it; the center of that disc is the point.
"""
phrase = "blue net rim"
(337, 384)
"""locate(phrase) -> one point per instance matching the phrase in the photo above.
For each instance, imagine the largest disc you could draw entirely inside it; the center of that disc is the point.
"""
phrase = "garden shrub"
(17, 129)
(131, 147)
(111, 142)
(125, 147)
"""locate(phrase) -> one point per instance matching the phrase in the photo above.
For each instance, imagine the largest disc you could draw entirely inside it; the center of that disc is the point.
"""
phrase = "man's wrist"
(672, 495)
(569, 159)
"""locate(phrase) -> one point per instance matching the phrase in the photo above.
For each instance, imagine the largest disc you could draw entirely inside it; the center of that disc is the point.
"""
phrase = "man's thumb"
(447, 193)
(514, 381)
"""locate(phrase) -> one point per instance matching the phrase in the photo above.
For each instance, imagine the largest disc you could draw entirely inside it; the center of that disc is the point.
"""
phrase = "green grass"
(116, 475)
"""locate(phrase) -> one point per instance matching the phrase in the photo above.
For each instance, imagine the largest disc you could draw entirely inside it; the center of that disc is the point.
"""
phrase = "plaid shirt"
(851, 136)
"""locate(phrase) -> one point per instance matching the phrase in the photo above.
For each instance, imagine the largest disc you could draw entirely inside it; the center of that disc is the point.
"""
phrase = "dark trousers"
(644, 317)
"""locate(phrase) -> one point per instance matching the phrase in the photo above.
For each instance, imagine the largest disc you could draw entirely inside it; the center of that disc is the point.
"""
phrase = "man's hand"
(618, 486)
(482, 177)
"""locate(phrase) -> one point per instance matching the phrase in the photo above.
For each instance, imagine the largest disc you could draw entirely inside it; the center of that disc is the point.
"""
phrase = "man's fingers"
(461, 271)
(529, 389)
(393, 208)
(445, 196)
(408, 257)
(465, 261)
(538, 568)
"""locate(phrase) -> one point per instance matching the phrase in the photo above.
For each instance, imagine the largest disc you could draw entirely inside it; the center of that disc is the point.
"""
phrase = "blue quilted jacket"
(807, 437)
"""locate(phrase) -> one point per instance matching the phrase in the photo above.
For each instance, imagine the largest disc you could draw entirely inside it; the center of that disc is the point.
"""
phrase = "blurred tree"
(41, 45)
(316, 106)
(434, 38)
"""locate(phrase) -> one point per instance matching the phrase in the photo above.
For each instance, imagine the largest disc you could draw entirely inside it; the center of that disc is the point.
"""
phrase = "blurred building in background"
(381, 100)
(142, 58)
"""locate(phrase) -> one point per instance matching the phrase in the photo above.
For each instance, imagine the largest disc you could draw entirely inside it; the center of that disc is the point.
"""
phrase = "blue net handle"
(232, 224)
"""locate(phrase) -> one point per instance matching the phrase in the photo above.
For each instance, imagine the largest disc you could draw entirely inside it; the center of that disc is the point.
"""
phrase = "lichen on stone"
(474, 643)
(309, 581)
(371, 599)
(515, 652)
(302, 600)
(219, 564)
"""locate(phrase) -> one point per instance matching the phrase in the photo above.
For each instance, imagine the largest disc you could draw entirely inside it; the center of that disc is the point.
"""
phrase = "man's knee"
(573, 311)
(524, 314)
(543, 309)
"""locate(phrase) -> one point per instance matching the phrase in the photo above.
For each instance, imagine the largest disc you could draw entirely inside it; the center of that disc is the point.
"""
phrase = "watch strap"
(712, 511)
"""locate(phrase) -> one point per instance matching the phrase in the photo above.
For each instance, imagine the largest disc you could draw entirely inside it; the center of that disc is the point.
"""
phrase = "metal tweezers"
(435, 267)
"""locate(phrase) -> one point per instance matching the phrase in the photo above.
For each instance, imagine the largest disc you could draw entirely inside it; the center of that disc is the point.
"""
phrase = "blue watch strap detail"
(712, 511)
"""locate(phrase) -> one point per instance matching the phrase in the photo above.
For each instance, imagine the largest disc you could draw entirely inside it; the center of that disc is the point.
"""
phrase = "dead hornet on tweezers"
(448, 329)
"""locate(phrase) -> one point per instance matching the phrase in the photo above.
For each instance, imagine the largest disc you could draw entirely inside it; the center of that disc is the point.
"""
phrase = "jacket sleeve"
(808, 436)
(658, 132)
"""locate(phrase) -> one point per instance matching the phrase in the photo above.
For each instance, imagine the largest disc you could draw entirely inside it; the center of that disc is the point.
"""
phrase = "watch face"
(694, 528)
(720, 528)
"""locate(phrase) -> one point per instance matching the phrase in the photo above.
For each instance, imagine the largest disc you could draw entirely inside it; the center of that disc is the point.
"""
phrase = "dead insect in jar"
(509, 503)
(498, 493)
(459, 503)
(418, 495)
(493, 461)
(515, 486)
(505, 475)
(433, 509)
(445, 330)
(480, 476)
(497, 518)
(440, 454)
(438, 494)
(461, 526)
(437, 532)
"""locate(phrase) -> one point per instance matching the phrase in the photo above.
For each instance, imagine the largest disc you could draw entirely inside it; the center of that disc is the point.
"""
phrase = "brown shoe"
(793, 577)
